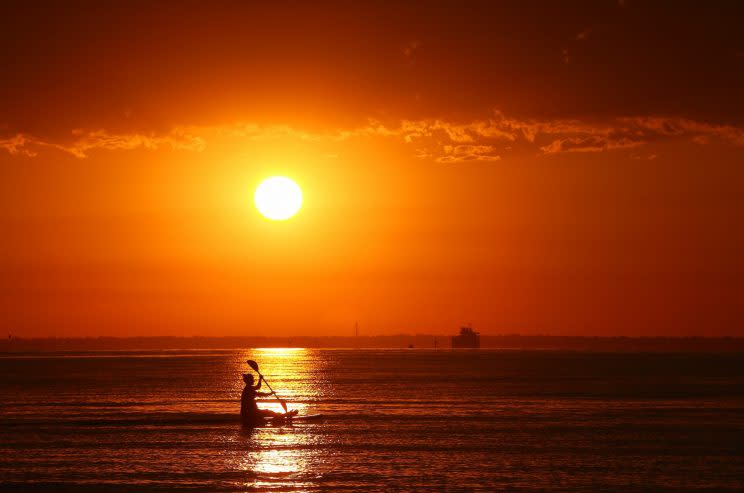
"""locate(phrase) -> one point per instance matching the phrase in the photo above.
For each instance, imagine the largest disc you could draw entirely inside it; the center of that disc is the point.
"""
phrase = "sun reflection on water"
(279, 457)
(280, 352)
(272, 459)
(288, 372)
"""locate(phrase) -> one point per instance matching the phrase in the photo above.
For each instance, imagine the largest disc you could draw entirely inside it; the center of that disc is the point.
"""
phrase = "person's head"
(248, 378)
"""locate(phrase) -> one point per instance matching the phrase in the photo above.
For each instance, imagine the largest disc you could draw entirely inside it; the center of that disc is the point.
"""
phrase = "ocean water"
(396, 420)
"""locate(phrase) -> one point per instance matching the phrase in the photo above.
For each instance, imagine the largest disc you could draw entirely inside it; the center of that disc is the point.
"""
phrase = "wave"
(133, 419)
(122, 404)
(189, 419)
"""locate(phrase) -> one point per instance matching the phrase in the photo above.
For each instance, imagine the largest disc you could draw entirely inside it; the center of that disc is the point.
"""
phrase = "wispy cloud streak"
(443, 141)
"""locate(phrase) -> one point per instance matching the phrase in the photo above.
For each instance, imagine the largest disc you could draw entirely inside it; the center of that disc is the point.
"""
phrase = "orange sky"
(571, 168)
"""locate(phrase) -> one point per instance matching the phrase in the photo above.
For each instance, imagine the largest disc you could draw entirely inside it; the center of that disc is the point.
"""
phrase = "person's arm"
(263, 394)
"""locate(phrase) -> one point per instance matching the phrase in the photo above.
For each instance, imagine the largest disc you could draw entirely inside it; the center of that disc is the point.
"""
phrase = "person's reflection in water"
(250, 414)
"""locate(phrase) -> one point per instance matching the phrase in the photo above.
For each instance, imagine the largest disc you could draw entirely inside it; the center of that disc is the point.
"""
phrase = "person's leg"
(269, 414)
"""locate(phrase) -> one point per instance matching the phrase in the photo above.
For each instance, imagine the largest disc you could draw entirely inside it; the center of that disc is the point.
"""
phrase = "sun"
(278, 198)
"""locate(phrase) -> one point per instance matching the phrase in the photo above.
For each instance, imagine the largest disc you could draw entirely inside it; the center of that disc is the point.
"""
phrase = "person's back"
(249, 412)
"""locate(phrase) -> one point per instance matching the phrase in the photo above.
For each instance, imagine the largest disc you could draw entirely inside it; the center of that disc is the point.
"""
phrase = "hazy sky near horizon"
(532, 167)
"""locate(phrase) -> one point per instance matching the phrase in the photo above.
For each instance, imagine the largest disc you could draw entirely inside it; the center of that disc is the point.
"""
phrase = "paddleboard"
(306, 417)
(293, 419)
(286, 420)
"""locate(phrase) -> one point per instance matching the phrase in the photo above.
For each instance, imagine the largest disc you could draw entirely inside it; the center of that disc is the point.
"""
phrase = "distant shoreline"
(420, 341)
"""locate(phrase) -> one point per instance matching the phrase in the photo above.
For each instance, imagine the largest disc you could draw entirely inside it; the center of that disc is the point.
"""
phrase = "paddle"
(254, 365)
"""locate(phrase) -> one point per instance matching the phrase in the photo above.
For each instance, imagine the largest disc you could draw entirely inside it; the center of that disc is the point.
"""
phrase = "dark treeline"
(421, 341)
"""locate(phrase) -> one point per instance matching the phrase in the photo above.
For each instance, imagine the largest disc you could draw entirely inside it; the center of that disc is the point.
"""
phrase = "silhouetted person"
(249, 411)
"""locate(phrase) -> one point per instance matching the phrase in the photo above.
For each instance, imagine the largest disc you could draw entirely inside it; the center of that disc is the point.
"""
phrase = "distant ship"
(468, 338)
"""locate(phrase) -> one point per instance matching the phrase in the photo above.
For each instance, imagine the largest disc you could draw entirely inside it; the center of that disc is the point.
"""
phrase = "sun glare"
(278, 198)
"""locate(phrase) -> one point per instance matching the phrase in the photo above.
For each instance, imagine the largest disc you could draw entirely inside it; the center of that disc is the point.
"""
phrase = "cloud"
(483, 139)
(443, 141)
(18, 144)
(696, 131)
(100, 139)
(83, 142)
(465, 152)
(554, 136)
(587, 144)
